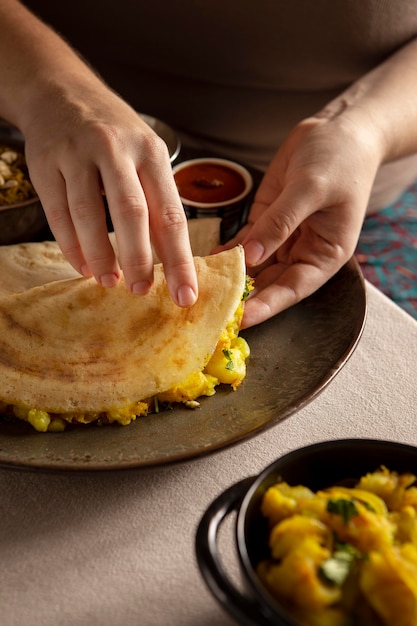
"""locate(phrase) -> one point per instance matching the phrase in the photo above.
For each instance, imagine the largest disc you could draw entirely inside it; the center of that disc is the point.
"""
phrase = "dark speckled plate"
(293, 357)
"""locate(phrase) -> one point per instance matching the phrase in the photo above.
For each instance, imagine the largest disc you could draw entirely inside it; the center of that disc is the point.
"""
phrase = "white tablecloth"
(118, 549)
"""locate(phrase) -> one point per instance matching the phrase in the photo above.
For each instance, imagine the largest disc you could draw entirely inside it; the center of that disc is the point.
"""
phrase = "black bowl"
(316, 466)
(22, 221)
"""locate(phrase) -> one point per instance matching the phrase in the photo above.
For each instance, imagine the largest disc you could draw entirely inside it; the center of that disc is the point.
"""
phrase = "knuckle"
(172, 218)
(281, 225)
(316, 187)
(293, 292)
(182, 267)
(107, 138)
(99, 257)
(107, 134)
(72, 252)
(138, 264)
(57, 215)
(154, 146)
(131, 208)
(83, 209)
(340, 254)
(112, 137)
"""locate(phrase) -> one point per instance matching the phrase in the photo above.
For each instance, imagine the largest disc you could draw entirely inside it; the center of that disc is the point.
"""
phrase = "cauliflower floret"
(393, 488)
(371, 563)
(295, 578)
(388, 580)
(281, 500)
(286, 535)
(405, 524)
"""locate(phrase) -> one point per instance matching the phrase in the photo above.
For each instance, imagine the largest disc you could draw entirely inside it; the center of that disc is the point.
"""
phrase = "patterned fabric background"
(387, 250)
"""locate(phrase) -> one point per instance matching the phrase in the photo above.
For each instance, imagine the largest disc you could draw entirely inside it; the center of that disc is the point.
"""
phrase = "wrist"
(361, 124)
(41, 68)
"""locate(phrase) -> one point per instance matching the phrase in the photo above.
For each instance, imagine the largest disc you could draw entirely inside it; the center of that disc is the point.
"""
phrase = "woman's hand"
(83, 141)
(308, 211)
(85, 146)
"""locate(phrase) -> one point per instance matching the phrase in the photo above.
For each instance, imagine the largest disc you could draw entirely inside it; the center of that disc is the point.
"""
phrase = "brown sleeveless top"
(234, 76)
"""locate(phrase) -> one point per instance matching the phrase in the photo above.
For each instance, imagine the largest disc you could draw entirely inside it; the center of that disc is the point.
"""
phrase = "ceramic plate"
(293, 357)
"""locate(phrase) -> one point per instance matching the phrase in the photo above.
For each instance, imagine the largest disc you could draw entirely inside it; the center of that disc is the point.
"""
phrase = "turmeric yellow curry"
(344, 556)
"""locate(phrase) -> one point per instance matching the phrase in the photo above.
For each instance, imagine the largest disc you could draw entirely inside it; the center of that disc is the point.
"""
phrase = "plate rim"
(43, 465)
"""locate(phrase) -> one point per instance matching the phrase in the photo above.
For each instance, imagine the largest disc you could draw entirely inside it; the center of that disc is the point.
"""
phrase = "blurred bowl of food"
(325, 535)
(21, 213)
(215, 187)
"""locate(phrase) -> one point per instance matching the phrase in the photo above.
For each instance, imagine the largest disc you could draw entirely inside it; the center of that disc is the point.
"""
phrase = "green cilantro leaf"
(228, 356)
(345, 508)
(248, 288)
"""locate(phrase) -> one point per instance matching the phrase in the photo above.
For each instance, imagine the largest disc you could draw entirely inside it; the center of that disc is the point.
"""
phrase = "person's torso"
(233, 75)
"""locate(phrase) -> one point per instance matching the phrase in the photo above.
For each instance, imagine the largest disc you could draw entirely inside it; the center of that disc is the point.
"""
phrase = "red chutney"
(209, 183)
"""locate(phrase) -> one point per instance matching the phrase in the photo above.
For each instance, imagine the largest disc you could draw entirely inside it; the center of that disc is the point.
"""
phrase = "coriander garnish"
(345, 508)
(228, 356)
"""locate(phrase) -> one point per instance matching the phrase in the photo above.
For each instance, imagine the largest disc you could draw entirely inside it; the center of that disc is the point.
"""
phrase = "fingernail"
(86, 272)
(254, 252)
(109, 280)
(141, 287)
(186, 296)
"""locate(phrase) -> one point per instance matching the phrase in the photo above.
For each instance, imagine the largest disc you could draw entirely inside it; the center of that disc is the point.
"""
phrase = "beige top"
(234, 77)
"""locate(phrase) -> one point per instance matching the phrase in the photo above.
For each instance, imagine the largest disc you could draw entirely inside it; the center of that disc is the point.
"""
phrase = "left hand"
(307, 214)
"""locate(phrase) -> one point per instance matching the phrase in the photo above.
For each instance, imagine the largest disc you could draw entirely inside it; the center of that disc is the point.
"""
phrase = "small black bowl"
(316, 466)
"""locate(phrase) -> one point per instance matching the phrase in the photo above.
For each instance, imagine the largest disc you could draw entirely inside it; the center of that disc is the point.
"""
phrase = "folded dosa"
(26, 265)
(73, 346)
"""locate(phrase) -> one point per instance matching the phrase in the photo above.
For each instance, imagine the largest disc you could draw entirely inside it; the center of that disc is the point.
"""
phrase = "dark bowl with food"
(362, 487)
(21, 214)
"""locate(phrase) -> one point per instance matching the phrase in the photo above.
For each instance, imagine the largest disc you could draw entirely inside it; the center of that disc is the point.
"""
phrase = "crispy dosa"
(73, 346)
(27, 265)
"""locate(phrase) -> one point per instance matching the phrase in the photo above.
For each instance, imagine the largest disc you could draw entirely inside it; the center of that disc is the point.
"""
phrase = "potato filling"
(227, 366)
(344, 556)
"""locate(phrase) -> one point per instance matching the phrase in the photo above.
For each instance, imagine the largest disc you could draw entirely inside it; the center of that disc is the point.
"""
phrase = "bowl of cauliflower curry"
(325, 536)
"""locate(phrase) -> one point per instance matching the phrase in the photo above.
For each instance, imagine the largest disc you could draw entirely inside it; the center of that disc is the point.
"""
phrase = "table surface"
(115, 549)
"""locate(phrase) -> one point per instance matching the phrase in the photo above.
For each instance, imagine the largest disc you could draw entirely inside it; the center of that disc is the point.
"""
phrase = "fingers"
(306, 218)
(142, 199)
(270, 227)
(86, 209)
(150, 205)
(75, 212)
(279, 287)
(274, 216)
(129, 212)
(170, 232)
(306, 246)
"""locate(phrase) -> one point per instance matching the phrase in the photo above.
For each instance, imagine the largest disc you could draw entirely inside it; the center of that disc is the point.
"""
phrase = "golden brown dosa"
(74, 346)
(27, 265)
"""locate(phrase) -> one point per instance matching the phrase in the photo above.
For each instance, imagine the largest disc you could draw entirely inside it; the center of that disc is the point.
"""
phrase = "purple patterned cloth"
(387, 250)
